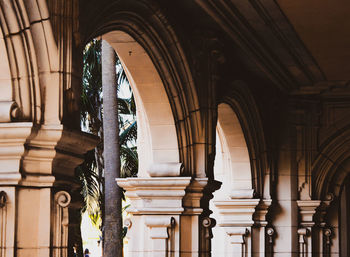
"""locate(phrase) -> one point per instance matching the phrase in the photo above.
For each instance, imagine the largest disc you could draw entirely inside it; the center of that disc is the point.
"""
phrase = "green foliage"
(91, 172)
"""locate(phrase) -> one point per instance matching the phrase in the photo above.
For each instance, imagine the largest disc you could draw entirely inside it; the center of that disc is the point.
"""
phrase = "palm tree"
(91, 172)
(113, 225)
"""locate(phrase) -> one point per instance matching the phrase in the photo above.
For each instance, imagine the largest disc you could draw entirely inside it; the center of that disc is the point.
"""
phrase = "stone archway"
(157, 139)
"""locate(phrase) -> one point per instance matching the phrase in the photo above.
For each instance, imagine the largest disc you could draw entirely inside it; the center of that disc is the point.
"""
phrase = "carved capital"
(261, 212)
(307, 209)
(157, 195)
(236, 212)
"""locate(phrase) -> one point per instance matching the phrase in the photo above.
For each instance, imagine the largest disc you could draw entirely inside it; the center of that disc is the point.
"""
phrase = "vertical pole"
(113, 242)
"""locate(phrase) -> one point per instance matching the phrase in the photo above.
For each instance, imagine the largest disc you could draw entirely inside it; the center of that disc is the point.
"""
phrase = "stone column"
(236, 217)
(35, 164)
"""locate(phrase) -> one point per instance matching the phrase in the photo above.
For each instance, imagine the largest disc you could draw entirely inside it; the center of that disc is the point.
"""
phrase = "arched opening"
(232, 168)
(157, 139)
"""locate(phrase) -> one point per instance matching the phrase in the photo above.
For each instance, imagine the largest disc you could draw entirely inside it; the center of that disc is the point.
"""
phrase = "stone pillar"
(307, 209)
(236, 217)
(36, 176)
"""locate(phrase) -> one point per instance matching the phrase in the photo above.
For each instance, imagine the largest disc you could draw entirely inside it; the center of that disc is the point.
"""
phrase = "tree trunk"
(113, 242)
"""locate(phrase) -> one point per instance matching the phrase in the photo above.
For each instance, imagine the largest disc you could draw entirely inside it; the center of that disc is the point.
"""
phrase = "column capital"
(156, 195)
(236, 212)
(307, 209)
(261, 212)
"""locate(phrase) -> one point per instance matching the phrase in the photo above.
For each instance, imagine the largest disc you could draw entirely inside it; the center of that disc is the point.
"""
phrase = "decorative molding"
(60, 223)
(270, 232)
(208, 224)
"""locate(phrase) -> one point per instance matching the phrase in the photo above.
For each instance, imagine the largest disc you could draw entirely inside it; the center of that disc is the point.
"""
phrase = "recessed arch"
(234, 149)
(328, 169)
(242, 103)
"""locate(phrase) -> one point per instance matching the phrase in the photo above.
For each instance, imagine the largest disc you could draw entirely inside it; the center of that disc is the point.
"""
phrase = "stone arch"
(160, 43)
(157, 139)
(33, 60)
(246, 113)
(328, 170)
